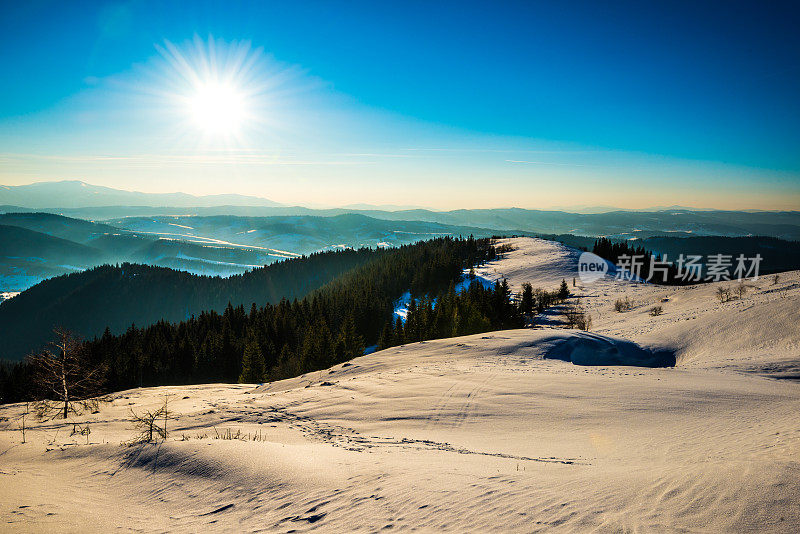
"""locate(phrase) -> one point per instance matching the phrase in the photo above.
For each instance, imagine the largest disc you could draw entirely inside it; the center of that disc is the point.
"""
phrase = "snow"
(13, 282)
(482, 433)
(72, 267)
(182, 256)
(401, 305)
(213, 241)
(484, 279)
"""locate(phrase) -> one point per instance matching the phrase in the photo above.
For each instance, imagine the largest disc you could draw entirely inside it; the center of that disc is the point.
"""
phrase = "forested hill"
(118, 296)
(331, 325)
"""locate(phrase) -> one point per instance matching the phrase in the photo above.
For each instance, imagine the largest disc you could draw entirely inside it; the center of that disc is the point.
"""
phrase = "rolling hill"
(215, 245)
(82, 200)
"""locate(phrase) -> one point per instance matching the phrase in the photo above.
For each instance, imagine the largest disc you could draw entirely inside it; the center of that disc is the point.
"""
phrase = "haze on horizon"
(534, 106)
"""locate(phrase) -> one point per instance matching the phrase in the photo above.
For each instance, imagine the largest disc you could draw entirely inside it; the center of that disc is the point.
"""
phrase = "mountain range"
(37, 246)
(53, 228)
(77, 194)
(85, 201)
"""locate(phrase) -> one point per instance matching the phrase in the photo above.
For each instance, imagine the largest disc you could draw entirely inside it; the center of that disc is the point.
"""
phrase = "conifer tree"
(526, 299)
(563, 291)
(387, 339)
(253, 371)
(352, 343)
(399, 333)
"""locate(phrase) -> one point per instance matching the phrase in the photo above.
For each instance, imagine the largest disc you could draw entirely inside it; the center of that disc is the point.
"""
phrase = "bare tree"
(741, 290)
(723, 294)
(147, 423)
(576, 317)
(64, 377)
(22, 425)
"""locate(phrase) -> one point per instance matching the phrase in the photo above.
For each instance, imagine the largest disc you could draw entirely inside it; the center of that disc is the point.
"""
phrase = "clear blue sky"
(633, 103)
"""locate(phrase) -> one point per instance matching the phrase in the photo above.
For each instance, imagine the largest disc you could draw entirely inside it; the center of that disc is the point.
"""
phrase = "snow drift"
(585, 348)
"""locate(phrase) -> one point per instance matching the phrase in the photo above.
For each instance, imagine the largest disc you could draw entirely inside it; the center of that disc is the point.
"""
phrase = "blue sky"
(529, 104)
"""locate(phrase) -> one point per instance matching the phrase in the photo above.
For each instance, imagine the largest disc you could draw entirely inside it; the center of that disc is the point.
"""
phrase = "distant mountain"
(295, 234)
(69, 228)
(37, 246)
(27, 257)
(606, 209)
(381, 207)
(618, 224)
(77, 194)
(613, 224)
(218, 245)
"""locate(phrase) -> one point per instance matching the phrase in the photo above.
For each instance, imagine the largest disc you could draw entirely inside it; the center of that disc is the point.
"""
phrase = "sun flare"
(217, 108)
(216, 91)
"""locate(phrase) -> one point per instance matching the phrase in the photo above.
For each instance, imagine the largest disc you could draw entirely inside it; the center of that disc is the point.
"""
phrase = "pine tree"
(318, 349)
(399, 331)
(352, 343)
(526, 300)
(253, 371)
(563, 291)
(387, 339)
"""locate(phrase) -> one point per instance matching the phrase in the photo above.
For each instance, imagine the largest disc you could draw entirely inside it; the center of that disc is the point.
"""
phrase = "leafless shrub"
(723, 294)
(577, 317)
(82, 430)
(228, 435)
(623, 305)
(151, 424)
(741, 290)
(22, 421)
(187, 437)
(656, 311)
(775, 280)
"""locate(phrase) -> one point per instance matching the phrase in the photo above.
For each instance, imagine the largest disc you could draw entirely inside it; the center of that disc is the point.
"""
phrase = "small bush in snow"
(576, 317)
(623, 305)
(741, 290)
(723, 294)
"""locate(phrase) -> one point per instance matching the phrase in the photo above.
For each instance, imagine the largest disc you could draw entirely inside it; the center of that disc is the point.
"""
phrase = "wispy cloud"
(525, 162)
(501, 150)
(177, 159)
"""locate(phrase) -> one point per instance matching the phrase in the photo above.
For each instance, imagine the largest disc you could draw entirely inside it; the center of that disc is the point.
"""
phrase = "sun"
(216, 92)
(217, 108)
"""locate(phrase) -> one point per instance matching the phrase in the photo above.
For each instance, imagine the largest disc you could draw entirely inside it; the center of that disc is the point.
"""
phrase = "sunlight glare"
(216, 92)
(217, 108)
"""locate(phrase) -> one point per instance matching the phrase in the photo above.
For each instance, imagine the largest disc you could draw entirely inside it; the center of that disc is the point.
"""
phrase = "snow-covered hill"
(481, 433)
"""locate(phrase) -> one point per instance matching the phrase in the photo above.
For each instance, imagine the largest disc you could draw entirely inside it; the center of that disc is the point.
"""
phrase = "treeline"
(116, 296)
(649, 267)
(274, 341)
(475, 310)
(777, 255)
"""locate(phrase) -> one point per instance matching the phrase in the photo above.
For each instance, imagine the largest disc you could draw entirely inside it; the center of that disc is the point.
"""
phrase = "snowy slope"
(490, 432)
